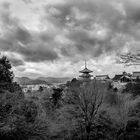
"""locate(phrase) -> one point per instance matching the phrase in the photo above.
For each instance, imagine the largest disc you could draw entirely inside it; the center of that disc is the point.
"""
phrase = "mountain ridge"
(41, 80)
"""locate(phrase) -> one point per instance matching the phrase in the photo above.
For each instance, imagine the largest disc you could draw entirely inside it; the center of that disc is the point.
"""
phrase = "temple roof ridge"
(85, 70)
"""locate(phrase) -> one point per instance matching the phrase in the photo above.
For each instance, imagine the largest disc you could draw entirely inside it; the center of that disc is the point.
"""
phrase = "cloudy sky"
(54, 37)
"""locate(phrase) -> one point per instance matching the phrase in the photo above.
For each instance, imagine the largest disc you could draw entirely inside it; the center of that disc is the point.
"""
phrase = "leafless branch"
(129, 59)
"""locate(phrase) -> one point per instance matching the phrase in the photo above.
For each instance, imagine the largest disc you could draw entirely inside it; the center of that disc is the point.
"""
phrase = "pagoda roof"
(85, 75)
(85, 70)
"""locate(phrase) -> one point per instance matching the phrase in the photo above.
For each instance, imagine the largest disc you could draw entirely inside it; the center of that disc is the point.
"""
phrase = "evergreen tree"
(56, 96)
(6, 75)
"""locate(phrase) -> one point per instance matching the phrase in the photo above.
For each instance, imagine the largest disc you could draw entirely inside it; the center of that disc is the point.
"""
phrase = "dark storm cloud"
(132, 8)
(6, 5)
(32, 46)
(12, 28)
(118, 18)
(82, 37)
(7, 20)
(91, 28)
(27, 1)
(134, 14)
(79, 17)
(37, 52)
(61, 14)
(84, 43)
(46, 36)
(22, 35)
(16, 62)
(94, 10)
(9, 41)
(5, 44)
(6, 17)
(29, 46)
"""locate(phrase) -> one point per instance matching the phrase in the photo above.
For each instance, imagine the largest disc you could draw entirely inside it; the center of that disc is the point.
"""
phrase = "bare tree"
(130, 59)
(90, 99)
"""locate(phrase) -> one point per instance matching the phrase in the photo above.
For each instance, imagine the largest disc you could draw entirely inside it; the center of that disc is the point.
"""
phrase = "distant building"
(102, 77)
(136, 75)
(123, 78)
(31, 88)
(119, 81)
(117, 77)
(85, 76)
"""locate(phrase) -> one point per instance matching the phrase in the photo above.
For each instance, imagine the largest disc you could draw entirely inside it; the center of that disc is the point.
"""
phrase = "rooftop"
(85, 70)
(102, 76)
(136, 72)
(85, 75)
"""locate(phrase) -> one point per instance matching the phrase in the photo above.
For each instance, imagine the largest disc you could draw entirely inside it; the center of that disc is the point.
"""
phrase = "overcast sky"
(54, 37)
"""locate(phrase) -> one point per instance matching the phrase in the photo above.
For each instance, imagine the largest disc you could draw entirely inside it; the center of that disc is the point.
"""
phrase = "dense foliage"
(133, 88)
(6, 76)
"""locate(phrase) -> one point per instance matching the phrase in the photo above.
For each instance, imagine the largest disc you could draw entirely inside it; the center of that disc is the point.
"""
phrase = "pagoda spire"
(85, 64)
(85, 73)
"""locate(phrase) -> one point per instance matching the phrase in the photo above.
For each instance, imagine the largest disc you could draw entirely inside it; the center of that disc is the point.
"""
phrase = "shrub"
(133, 88)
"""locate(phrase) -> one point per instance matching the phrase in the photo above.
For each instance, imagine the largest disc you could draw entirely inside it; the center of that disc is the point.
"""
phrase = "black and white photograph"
(69, 69)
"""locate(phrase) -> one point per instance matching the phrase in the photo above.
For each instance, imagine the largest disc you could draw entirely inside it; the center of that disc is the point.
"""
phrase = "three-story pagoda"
(85, 76)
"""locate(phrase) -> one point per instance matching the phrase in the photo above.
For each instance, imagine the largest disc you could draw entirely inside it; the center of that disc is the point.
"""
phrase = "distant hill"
(22, 80)
(41, 80)
(28, 81)
(55, 80)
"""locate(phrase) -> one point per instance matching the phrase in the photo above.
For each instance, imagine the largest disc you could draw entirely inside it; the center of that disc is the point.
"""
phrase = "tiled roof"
(85, 75)
(86, 70)
(101, 75)
(135, 74)
(127, 77)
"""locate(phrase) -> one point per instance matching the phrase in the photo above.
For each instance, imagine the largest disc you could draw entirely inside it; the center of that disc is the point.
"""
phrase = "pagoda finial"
(86, 76)
(85, 64)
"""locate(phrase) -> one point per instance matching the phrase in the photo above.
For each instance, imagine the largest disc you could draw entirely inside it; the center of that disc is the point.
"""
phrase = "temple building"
(123, 78)
(85, 76)
(102, 77)
(136, 75)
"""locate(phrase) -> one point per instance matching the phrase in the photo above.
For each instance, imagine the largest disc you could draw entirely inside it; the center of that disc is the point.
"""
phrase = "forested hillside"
(77, 112)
